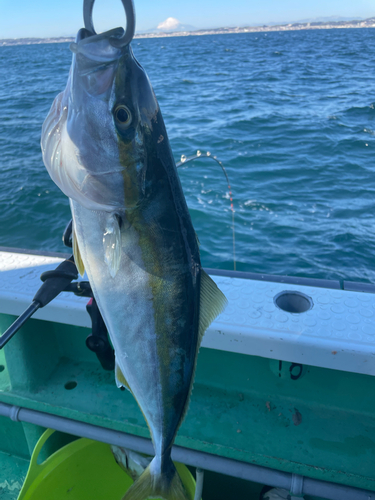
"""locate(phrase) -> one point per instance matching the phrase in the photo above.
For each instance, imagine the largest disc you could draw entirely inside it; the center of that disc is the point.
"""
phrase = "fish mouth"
(84, 37)
(95, 61)
(82, 34)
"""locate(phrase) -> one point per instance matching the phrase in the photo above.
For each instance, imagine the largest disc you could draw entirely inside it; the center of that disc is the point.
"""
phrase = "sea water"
(290, 114)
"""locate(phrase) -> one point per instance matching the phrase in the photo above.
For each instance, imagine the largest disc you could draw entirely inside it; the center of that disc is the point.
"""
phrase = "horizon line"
(295, 26)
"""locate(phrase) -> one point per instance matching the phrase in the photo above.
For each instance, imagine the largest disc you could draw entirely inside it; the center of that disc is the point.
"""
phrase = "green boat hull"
(319, 423)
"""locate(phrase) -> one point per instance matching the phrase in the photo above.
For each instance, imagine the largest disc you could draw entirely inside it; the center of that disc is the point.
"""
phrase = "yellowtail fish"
(105, 145)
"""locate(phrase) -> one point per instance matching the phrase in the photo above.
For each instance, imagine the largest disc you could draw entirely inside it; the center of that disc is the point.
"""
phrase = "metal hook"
(127, 37)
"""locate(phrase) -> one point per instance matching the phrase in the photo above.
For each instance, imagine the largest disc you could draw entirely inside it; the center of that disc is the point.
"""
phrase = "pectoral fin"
(112, 244)
(77, 255)
(212, 303)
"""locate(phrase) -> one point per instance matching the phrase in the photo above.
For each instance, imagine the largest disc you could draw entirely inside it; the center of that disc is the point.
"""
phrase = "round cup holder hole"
(293, 302)
(70, 385)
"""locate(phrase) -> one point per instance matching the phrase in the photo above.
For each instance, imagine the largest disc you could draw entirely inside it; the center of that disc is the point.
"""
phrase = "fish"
(105, 145)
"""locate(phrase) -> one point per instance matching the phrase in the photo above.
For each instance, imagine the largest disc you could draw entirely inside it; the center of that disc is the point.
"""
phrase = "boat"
(284, 393)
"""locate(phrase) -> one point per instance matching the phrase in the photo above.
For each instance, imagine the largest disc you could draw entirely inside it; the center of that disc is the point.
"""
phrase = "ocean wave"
(290, 115)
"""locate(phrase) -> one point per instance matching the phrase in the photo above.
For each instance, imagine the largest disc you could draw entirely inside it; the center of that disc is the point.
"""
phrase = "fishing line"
(200, 154)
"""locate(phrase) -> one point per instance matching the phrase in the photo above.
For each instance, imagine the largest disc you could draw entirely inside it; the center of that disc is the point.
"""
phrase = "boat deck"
(287, 391)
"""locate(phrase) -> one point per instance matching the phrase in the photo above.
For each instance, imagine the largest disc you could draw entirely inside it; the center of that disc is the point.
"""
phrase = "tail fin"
(163, 486)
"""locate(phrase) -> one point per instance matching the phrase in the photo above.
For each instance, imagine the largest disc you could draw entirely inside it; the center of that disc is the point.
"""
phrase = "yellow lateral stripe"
(77, 255)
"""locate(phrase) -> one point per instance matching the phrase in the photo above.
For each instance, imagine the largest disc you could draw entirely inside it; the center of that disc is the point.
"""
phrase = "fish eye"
(122, 116)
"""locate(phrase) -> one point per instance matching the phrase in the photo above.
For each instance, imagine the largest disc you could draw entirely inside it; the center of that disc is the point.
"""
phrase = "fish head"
(96, 139)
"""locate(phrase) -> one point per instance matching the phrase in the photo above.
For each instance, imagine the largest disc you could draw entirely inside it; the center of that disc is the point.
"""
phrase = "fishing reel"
(60, 280)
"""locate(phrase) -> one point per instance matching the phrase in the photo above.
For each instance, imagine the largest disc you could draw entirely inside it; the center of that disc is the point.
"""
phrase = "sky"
(53, 18)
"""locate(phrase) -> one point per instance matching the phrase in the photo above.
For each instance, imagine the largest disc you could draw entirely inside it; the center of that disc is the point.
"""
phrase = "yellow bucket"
(82, 470)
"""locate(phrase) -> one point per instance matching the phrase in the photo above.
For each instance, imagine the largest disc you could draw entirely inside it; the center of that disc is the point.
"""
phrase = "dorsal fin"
(212, 303)
(77, 254)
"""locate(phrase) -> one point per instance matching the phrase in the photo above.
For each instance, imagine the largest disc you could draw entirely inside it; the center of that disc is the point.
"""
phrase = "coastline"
(367, 23)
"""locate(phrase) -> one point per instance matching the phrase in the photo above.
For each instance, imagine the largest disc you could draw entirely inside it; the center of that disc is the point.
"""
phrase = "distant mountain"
(170, 25)
(330, 19)
(35, 41)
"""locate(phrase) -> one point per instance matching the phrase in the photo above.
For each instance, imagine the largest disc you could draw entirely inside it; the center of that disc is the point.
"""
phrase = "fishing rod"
(54, 282)
(61, 280)
(198, 155)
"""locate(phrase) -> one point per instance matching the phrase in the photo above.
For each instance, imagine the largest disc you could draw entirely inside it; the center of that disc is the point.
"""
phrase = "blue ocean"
(290, 114)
